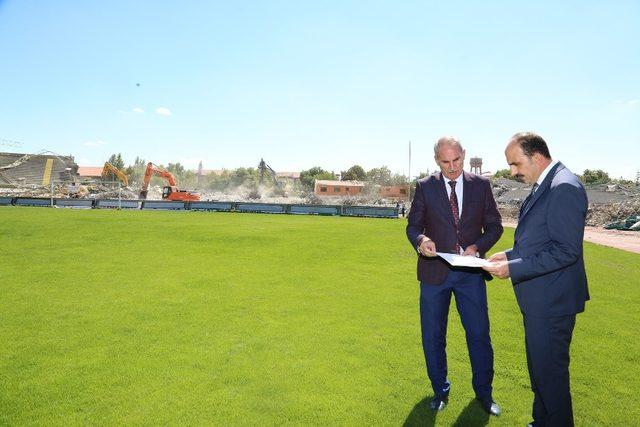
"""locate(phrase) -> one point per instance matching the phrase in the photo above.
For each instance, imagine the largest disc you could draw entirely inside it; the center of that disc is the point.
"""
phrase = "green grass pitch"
(120, 317)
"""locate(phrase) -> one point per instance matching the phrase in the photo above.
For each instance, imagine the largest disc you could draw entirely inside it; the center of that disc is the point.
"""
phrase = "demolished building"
(22, 169)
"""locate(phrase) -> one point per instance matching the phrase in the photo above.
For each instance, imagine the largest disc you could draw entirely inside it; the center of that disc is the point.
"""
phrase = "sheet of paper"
(463, 261)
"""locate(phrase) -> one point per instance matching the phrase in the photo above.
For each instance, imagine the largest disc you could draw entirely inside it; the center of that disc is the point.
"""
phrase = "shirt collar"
(458, 180)
(545, 172)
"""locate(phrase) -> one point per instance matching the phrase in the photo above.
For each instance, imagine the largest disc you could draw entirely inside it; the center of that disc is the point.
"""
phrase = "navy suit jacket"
(546, 262)
(430, 215)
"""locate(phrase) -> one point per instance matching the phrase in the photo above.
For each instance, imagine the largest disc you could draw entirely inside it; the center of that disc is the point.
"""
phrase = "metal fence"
(212, 206)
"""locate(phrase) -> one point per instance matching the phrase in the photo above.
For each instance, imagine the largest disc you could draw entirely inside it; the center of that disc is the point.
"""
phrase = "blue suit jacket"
(431, 216)
(546, 262)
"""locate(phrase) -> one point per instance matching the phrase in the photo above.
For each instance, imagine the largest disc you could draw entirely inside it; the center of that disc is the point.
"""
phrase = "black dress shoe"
(490, 407)
(438, 403)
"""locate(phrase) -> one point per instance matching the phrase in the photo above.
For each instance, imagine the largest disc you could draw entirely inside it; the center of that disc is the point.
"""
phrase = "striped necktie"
(453, 201)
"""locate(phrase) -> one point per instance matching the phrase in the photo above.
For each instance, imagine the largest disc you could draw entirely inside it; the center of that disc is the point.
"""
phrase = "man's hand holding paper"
(463, 260)
(498, 265)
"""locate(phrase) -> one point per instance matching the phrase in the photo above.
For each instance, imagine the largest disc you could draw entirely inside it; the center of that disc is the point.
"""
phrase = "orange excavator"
(169, 192)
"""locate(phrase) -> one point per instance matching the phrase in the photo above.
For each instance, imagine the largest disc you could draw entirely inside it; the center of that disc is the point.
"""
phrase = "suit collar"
(466, 189)
(444, 198)
(546, 172)
(546, 183)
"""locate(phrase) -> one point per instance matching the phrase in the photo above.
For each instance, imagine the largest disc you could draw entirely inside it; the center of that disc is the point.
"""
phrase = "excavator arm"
(169, 192)
(265, 169)
(108, 167)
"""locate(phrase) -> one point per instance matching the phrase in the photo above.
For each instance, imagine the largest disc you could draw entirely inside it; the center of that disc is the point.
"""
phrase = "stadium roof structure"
(36, 169)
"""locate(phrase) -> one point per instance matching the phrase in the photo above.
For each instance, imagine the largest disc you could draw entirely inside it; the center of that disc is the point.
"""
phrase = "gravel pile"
(607, 203)
(600, 214)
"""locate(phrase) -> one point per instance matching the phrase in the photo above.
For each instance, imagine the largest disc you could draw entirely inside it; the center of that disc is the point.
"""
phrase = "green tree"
(116, 160)
(597, 176)
(381, 176)
(244, 177)
(176, 169)
(622, 181)
(218, 182)
(504, 173)
(308, 177)
(399, 179)
(136, 170)
(354, 173)
(423, 174)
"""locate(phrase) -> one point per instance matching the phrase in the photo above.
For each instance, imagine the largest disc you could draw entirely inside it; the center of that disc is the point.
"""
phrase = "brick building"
(338, 188)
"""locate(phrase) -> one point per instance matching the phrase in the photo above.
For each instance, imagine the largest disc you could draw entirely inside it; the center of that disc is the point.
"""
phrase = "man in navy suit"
(546, 267)
(455, 212)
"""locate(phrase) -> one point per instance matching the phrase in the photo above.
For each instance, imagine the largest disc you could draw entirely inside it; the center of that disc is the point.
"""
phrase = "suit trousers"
(547, 343)
(470, 293)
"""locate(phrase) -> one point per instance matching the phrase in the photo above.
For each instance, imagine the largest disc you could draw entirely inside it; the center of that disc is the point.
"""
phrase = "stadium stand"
(36, 169)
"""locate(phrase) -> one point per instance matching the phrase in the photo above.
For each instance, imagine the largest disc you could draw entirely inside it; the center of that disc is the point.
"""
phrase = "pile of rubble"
(607, 203)
(81, 191)
(241, 194)
(603, 214)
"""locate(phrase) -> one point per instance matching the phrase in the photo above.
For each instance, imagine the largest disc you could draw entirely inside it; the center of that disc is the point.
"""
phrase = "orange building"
(395, 191)
(354, 188)
(338, 188)
(90, 172)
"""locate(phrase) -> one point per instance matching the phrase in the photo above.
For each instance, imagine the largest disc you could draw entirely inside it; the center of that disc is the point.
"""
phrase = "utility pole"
(409, 161)
(409, 177)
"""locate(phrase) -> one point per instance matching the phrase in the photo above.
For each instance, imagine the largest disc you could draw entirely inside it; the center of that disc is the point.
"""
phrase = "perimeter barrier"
(212, 206)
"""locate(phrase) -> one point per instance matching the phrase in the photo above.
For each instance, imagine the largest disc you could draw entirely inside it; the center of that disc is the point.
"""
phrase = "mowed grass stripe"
(111, 317)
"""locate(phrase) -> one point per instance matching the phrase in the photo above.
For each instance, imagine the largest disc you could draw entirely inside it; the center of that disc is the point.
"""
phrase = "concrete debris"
(71, 190)
(607, 203)
(603, 214)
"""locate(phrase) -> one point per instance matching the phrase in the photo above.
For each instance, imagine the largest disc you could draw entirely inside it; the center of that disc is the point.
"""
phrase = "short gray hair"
(451, 141)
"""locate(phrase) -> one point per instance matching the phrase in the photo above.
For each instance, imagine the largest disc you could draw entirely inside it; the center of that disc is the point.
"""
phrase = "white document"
(463, 261)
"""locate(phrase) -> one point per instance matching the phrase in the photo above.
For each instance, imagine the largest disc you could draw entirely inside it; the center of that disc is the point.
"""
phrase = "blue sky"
(328, 83)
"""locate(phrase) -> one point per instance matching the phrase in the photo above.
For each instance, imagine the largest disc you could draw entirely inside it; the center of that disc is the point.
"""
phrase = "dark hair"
(531, 143)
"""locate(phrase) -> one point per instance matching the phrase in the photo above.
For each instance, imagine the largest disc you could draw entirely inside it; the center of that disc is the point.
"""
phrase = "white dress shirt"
(544, 173)
(459, 192)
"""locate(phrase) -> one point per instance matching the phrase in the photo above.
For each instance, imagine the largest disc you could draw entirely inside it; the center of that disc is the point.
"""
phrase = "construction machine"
(266, 170)
(169, 192)
(108, 167)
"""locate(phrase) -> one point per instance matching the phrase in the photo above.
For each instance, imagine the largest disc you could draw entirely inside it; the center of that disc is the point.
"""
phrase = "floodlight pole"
(409, 161)
(409, 177)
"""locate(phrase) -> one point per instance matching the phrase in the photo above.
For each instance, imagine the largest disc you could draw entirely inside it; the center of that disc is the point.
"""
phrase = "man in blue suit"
(454, 211)
(546, 267)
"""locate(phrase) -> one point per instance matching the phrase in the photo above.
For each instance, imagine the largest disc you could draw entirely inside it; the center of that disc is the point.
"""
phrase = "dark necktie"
(453, 201)
(526, 202)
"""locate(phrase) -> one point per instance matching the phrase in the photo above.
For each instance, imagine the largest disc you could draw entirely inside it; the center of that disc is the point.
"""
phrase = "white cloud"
(627, 102)
(93, 143)
(163, 111)
(138, 110)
